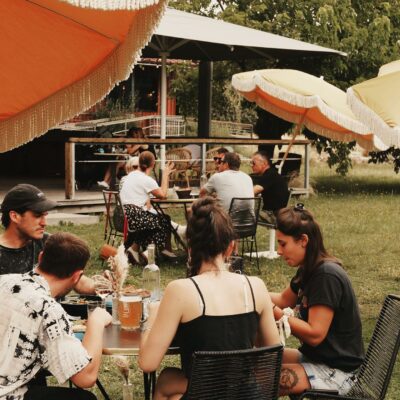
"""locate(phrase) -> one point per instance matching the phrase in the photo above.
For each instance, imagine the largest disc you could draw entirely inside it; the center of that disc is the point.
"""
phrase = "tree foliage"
(368, 31)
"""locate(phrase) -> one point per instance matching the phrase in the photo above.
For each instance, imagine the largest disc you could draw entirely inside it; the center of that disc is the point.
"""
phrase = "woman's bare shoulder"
(257, 283)
(180, 284)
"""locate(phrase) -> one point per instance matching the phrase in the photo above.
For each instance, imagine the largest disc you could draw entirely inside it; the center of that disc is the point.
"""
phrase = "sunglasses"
(218, 160)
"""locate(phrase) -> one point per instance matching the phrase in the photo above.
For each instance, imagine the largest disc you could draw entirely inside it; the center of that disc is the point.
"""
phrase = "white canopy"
(193, 37)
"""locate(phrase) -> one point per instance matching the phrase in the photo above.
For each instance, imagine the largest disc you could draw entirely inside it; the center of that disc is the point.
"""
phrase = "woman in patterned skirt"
(144, 224)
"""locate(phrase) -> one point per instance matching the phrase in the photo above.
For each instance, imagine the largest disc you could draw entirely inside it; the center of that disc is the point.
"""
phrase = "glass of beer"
(130, 312)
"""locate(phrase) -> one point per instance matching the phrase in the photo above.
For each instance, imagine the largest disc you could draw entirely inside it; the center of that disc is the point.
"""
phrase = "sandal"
(133, 256)
(169, 254)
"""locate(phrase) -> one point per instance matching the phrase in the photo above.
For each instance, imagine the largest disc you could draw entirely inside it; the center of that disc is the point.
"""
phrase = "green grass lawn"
(359, 217)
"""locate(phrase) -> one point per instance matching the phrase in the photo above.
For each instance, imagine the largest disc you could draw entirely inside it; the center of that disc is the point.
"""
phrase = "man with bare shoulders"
(24, 211)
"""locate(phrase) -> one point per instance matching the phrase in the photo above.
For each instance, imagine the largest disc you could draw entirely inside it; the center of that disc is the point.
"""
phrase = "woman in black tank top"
(214, 309)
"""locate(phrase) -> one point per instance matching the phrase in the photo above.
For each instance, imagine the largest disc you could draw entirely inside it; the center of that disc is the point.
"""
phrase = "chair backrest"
(114, 211)
(375, 372)
(244, 213)
(236, 375)
(181, 158)
(292, 164)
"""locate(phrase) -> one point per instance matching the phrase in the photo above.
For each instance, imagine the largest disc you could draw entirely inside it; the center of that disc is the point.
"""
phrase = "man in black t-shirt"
(24, 210)
(271, 185)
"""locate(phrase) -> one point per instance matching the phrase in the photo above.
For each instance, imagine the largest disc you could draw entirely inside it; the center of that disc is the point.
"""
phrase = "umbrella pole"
(163, 132)
(296, 132)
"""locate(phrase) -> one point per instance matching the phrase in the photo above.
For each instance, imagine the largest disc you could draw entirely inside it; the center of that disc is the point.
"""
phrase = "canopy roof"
(189, 36)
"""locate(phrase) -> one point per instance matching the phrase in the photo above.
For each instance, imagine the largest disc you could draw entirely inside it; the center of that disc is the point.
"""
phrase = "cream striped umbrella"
(307, 100)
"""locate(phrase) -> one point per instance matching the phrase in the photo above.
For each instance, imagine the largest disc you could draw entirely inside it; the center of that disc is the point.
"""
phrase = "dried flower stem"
(122, 363)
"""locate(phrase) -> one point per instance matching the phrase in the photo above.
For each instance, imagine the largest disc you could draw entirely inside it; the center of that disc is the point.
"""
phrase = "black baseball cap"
(26, 197)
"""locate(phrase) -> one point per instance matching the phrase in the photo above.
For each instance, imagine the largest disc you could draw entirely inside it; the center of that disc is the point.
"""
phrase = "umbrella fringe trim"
(83, 94)
(112, 4)
(300, 101)
(390, 136)
(365, 141)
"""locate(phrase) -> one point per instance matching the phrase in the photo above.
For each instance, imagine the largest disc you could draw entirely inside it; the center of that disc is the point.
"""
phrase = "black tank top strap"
(252, 293)
(201, 295)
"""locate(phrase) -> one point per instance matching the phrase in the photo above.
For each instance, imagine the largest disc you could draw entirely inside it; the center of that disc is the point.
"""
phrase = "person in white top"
(144, 224)
(229, 182)
(131, 165)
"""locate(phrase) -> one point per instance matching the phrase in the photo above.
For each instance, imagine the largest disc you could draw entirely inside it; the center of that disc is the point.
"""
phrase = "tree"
(367, 30)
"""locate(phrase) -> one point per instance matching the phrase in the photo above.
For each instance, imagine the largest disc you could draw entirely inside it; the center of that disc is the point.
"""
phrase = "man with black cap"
(24, 210)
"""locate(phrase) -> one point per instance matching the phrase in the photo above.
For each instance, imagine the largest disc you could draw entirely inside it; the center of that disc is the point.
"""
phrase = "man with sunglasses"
(24, 211)
(272, 186)
(229, 182)
(218, 159)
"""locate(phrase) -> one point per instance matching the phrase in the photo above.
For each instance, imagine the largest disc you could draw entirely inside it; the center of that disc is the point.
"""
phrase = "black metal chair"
(115, 217)
(244, 212)
(235, 375)
(374, 375)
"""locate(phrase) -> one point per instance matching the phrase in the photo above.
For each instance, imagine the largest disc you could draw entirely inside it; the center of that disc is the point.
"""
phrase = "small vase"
(127, 391)
(115, 318)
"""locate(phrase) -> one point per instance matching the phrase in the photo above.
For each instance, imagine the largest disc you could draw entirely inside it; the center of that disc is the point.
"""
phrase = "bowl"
(183, 193)
(76, 306)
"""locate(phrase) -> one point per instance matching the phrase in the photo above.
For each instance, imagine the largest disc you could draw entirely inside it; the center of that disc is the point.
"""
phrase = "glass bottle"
(151, 275)
(127, 391)
(115, 317)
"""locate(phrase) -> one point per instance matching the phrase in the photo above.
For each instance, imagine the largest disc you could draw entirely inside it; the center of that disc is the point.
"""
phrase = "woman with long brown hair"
(214, 309)
(326, 320)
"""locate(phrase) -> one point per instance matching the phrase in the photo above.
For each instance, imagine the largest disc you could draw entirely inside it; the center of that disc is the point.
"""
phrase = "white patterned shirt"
(35, 333)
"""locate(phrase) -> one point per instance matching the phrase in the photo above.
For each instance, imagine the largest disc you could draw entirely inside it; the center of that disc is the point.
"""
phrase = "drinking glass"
(92, 305)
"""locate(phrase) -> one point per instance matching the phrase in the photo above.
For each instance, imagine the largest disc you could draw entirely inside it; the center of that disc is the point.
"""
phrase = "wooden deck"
(85, 201)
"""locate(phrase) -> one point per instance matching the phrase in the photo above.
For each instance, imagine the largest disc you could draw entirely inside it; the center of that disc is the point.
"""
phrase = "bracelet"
(146, 328)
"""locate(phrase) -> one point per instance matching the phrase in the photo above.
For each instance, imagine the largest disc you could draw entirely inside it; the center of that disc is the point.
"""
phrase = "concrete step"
(54, 218)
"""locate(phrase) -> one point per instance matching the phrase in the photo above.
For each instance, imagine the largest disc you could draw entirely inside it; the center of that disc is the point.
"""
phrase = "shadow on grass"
(357, 185)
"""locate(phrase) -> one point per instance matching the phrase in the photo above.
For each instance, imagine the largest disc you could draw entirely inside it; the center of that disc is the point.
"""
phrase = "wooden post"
(205, 94)
(69, 170)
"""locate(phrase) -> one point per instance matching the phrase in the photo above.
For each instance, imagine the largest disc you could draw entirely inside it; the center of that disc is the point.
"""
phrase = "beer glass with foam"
(130, 312)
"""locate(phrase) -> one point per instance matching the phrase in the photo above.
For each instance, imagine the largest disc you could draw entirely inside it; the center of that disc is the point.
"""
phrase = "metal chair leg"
(149, 383)
(256, 249)
(102, 390)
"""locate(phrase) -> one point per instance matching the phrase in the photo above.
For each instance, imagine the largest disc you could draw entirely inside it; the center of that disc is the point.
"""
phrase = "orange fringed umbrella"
(304, 99)
(57, 60)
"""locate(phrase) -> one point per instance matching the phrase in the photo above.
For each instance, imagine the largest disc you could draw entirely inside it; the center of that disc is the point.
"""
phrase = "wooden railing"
(72, 142)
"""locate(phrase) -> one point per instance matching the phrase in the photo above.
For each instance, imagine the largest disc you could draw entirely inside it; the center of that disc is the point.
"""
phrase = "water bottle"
(151, 275)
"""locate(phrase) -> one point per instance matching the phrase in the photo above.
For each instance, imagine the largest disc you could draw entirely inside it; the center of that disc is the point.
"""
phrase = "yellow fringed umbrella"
(304, 99)
(388, 68)
(377, 103)
(57, 60)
